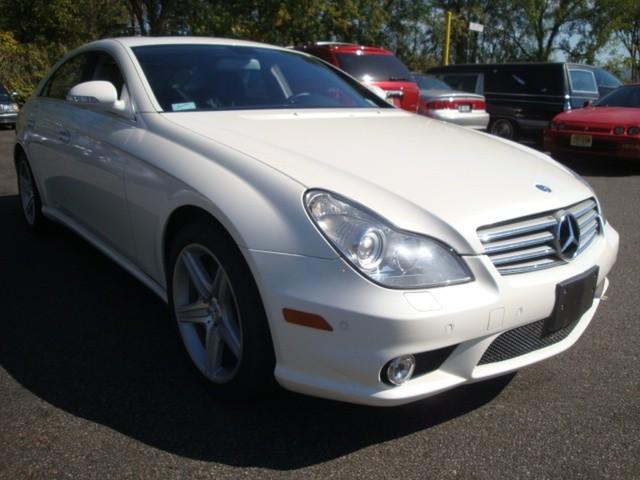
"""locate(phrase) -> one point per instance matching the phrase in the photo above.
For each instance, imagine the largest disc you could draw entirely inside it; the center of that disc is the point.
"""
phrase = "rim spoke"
(196, 312)
(213, 351)
(229, 335)
(218, 283)
(198, 275)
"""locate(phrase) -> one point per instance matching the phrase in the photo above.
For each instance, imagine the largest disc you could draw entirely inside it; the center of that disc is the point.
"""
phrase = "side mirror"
(378, 91)
(587, 103)
(14, 94)
(97, 94)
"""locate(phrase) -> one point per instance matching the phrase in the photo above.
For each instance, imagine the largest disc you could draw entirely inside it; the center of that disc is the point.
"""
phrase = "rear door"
(49, 138)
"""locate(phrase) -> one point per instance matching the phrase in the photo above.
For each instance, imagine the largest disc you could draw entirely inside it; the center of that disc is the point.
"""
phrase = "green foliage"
(21, 66)
(38, 32)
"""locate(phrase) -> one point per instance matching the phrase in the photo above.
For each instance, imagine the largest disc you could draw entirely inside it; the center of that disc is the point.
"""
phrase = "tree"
(626, 26)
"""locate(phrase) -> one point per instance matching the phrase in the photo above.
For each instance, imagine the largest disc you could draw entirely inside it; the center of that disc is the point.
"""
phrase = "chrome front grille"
(538, 242)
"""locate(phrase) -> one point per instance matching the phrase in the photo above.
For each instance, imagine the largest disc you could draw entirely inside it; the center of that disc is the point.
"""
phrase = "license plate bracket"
(573, 297)
(585, 141)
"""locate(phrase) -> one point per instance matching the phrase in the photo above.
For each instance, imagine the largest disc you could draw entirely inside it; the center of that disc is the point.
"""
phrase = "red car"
(372, 66)
(610, 127)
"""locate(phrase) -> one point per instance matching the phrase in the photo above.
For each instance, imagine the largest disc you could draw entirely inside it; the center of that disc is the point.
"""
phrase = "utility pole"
(447, 39)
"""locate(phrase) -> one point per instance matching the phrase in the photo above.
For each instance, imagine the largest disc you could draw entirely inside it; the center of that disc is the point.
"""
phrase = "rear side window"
(427, 82)
(605, 79)
(467, 82)
(582, 81)
(376, 68)
(525, 79)
(70, 73)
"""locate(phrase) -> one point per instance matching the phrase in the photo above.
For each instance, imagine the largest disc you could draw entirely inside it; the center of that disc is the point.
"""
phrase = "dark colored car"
(372, 66)
(438, 100)
(522, 98)
(8, 108)
(611, 127)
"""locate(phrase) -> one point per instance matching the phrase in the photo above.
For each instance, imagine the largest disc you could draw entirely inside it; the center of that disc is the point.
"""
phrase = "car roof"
(506, 64)
(139, 41)
(341, 47)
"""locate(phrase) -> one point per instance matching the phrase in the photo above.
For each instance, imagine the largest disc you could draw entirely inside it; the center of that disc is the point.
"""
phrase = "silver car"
(438, 100)
(8, 108)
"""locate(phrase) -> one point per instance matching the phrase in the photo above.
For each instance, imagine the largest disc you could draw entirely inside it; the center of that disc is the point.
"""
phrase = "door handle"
(64, 135)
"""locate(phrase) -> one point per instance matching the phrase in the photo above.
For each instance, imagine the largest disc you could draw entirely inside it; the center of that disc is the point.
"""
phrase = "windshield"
(374, 68)
(4, 96)
(628, 96)
(427, 82)
(225, 77)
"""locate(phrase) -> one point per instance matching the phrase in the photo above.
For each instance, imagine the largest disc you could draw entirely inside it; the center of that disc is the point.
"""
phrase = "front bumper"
(602, 145)
(8, 118)
(372, 324)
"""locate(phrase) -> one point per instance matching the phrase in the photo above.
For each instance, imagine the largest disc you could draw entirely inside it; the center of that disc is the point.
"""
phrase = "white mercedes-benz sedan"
(300, 228)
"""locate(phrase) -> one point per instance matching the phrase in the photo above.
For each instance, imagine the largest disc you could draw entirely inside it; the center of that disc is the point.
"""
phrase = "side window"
(466, 82)
(107, 69)
(525, 79)
(605, 79)
(69, 74)
(582, 81)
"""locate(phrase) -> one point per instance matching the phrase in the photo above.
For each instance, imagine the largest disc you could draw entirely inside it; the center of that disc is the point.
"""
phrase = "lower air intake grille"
(521, 340)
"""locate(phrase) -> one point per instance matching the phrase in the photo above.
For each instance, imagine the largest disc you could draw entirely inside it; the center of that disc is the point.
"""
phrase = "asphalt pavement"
(93, 384)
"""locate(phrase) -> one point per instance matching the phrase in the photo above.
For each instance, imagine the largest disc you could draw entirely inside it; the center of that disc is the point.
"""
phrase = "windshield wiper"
(398, 79)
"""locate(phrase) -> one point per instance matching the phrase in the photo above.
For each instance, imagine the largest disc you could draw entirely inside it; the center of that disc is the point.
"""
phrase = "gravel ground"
(92, 384)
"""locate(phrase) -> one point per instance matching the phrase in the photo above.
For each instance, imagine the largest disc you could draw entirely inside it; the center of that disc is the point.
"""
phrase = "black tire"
(36, 222)
(254, 374)
(504, 128)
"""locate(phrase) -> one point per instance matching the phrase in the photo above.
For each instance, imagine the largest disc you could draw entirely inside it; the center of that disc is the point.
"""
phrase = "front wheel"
(503, 128)
(218, 311)
(29, 196)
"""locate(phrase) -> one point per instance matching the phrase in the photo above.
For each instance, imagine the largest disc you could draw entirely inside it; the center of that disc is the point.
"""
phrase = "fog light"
(401, 369)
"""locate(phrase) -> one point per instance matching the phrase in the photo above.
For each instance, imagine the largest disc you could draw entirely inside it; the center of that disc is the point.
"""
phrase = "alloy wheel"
(27, 192)
(207, 313)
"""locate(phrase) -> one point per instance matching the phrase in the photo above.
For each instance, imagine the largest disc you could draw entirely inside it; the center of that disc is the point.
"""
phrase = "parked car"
(301, 227)
(373, 66)
(8, 108)
(522, 98)
(610, 126)
(438, 100)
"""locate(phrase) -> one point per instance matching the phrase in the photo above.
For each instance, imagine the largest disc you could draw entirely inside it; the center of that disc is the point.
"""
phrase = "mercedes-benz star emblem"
(567, 236)
(543, 188)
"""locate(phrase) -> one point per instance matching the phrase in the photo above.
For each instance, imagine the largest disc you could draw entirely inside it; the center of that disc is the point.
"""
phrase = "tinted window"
(525, 79)
(627, 96)
(379, 68)
(69, 74)
(605, 79)
(106, 68)
(427, 82)
(224, 77)
(467, 82)
(582, 81)
(4, 96)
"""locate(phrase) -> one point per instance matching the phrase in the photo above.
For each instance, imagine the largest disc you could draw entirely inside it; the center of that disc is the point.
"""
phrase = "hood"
(414, 171)
(616, 115)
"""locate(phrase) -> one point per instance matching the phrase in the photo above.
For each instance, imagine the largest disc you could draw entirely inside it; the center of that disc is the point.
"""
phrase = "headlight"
(381, 252)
